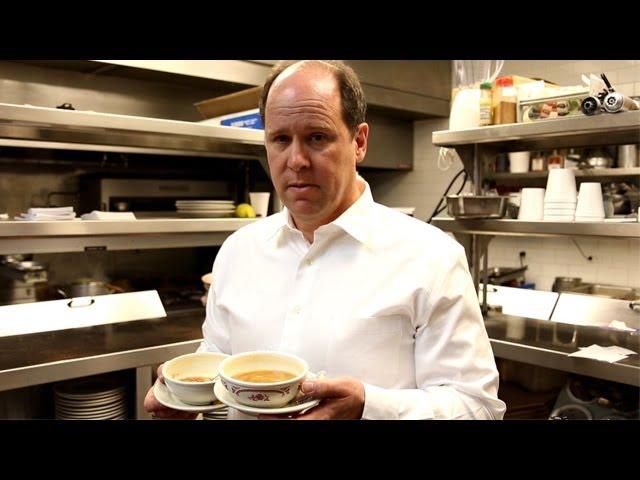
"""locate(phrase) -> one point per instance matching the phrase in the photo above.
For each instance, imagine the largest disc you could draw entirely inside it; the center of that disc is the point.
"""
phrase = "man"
(381, 302)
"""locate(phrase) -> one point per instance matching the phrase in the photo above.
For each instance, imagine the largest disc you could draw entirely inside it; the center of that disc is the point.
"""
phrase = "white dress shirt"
(378, 296)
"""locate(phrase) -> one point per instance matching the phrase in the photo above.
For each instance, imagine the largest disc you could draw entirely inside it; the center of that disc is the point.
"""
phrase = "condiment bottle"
(505, 104)
(538, 162)
(555, 160)
(486, 113)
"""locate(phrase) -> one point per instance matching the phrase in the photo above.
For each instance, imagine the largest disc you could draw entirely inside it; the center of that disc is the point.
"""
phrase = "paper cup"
(260, 202)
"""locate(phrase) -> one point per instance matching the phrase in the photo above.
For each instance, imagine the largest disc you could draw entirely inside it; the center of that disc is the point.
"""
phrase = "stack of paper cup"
(560, 198)
(260, 202)
(531, 205)
(590, 206)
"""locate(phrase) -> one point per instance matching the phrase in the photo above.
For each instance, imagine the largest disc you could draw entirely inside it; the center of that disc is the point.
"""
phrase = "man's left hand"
(341, 398)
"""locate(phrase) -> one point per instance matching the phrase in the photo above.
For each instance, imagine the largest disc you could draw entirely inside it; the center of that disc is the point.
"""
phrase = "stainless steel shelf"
(81, 235)
(604, 129)
(38, 127)
(598, 174)
(545, 229)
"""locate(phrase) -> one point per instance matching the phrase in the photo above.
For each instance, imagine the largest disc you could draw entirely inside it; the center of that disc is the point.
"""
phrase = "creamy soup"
(264, 376)
(195, 379)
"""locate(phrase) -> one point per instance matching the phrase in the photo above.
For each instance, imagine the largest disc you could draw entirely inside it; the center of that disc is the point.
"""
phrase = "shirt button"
(309, 262)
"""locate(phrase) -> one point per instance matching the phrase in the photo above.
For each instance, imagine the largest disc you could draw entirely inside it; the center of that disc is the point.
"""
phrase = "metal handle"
(635, 306)
(71, 305)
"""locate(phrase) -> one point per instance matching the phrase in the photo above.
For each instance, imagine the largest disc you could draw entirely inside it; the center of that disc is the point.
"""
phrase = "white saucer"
(168, 399)
(225, 397)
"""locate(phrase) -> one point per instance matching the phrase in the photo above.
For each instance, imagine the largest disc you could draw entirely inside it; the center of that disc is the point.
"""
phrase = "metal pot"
(599, 158)
(88, 288)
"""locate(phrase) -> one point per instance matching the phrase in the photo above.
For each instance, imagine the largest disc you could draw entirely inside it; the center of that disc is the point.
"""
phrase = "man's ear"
(361, 139)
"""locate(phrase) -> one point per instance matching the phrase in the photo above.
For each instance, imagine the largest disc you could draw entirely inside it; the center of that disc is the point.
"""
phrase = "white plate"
(89, 403)
(205, 214)
(94, 413)
(166, 398)
(205, 207)
(225, 397)
(197, 202)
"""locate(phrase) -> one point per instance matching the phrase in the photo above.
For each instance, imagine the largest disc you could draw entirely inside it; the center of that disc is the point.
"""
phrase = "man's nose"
(298, 158)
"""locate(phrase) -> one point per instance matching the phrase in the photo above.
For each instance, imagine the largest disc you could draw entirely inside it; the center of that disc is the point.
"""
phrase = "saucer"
(168, 399)
(225, 397)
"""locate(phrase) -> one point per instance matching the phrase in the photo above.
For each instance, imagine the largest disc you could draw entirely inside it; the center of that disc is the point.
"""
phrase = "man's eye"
(281, 139)
(318, 137)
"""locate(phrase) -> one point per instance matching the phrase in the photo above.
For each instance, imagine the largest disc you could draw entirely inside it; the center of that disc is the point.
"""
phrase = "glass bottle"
(486, 114)
(555, 160)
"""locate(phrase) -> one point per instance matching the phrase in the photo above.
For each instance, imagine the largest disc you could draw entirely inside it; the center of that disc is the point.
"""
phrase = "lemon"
(244, 210)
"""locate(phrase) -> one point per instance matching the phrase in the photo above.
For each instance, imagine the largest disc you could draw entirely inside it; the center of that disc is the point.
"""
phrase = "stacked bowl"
(560, 196)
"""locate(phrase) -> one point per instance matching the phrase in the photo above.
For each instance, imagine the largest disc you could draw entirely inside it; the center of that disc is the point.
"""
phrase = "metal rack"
(82, 235)
(35, 127)
(475, 147)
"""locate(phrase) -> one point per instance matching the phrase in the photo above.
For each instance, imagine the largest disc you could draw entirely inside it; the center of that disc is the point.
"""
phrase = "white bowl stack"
(560, 196)
(92, 398)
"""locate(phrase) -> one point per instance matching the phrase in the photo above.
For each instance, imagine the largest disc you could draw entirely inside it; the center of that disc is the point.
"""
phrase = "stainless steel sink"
(608, 291)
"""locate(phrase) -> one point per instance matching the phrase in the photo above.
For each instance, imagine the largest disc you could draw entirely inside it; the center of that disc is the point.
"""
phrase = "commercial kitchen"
(121, 179)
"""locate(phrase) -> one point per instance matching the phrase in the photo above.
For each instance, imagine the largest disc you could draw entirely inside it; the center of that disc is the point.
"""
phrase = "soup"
(195, 379)
(264, 376)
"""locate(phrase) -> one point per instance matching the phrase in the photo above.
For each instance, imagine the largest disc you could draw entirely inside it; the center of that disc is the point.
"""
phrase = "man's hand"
(342, 398)
(153, 406)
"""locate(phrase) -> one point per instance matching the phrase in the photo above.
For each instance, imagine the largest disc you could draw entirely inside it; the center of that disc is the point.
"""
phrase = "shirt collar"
(355, 221)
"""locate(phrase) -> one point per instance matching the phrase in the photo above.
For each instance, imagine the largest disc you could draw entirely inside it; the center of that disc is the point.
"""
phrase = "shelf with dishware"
(85, 235)
(589, 175)
(580, 131)
(53, 128)
(513, 227)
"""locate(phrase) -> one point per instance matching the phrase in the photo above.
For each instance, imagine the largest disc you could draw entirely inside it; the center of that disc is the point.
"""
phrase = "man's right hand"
(153, 406)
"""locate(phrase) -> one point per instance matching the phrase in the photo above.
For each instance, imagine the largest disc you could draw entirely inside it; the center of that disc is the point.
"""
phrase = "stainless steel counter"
(548, 344)
(41, 358)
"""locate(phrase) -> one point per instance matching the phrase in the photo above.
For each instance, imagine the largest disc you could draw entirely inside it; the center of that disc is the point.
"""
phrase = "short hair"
(354, 105)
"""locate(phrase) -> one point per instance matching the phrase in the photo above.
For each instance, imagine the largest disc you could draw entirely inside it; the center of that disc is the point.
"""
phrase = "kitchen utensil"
(519, 162)
(476, 206)
(562, 284)
(627, 156)
(599, 158)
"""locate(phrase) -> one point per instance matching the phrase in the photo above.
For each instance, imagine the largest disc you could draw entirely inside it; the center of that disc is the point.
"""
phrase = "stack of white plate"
(92, 398)
(205, 208)
(216, 414)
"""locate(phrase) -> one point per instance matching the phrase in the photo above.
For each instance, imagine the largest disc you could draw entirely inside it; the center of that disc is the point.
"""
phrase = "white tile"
(612, 276)
(556, 270)
(599, 66)
(626, 88)
(628, 75)
(586, 273)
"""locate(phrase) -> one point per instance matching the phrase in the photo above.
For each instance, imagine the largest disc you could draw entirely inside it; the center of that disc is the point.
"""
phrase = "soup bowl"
(191, 377)
(263, 379)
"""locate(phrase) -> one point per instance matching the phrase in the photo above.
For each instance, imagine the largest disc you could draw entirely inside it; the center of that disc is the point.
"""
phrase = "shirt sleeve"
(215, 331)
(456, 374)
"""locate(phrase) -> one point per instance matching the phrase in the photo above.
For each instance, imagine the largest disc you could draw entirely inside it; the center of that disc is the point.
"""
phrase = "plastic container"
(505, 101)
